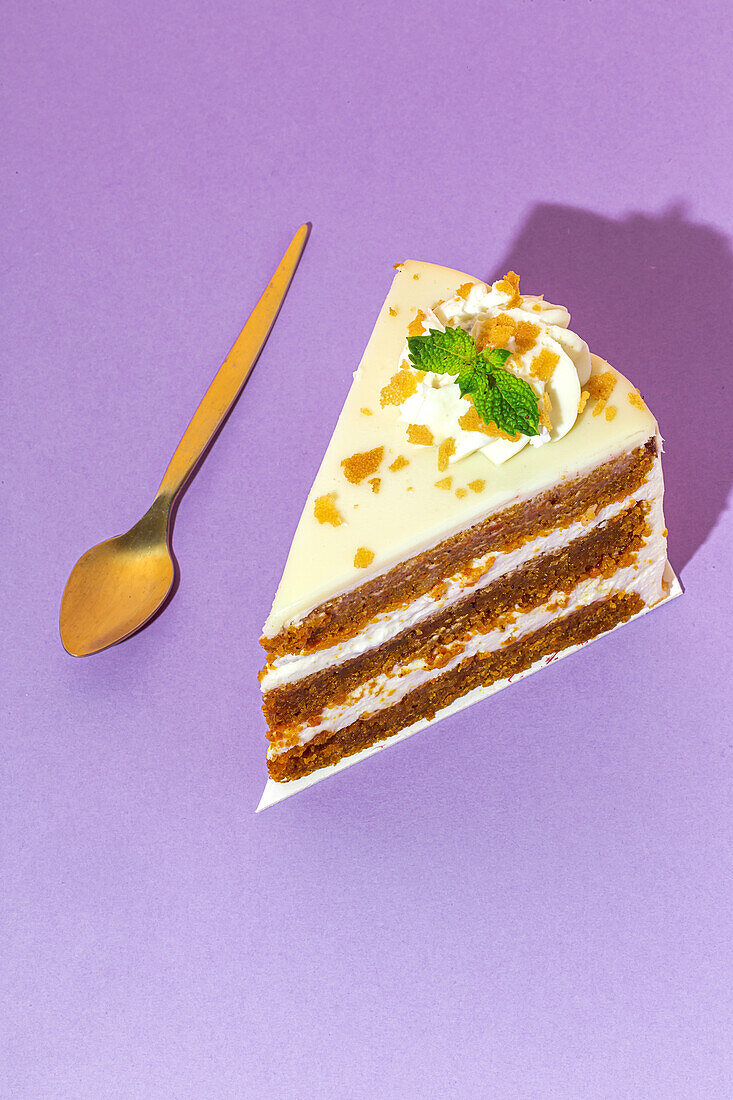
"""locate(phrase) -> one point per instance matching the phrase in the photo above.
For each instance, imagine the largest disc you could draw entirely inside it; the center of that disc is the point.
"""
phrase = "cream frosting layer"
(410, 512)
(643, 577)
(437, 404)
(293, 667)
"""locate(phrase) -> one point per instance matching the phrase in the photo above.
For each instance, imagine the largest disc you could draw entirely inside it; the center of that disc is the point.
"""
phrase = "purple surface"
(531, 899)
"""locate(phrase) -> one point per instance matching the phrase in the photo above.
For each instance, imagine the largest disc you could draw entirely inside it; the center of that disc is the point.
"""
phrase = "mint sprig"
(499, 395)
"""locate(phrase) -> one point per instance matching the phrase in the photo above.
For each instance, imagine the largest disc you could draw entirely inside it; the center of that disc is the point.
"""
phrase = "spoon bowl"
(118, 585)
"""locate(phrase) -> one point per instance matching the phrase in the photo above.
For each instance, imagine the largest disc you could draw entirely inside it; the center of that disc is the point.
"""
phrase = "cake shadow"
(652, 294)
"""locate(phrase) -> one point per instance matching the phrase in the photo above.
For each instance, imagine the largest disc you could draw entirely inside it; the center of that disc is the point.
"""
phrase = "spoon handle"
(231, 376)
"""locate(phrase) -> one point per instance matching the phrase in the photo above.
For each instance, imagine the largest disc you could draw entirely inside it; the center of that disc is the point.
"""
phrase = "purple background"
(531, 899)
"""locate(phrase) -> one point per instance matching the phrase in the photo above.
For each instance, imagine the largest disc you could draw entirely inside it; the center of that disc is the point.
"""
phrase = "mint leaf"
(449, 352)
(495, 357)
(488, 403)
(469, 379)
(500, 397)
(519, 408)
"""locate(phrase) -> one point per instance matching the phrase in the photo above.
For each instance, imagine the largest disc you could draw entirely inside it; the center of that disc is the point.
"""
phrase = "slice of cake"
(491, 497)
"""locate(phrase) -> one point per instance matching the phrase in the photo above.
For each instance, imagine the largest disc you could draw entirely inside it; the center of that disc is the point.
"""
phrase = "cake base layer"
(344, 615)
(276, 792)
(602, 549)
(477, 671)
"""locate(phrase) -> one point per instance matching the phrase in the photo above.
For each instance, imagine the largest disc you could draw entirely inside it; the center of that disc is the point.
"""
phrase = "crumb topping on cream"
(544, 352)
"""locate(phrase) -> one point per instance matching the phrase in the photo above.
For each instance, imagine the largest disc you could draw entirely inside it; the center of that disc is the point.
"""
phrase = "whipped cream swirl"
(437, 403)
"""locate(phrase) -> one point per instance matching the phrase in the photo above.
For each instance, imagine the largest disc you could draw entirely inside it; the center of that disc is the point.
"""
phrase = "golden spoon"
(117, 586)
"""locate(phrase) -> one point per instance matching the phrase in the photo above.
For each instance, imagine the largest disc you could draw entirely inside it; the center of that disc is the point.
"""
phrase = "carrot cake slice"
(490, 499)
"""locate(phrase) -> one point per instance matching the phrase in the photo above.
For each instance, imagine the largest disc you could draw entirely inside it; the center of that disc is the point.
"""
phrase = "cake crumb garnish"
(477, 486)
(398, 266)
(415, 327)
(366, 412)
(399, 463)
(636, 400)
(510, 285)
(496, 332)
(583, 401)
(400, 386)
(525, 336)
(461, 493)
(420, 435)
(363, 557)
(392, 311)
(375, 483)
(471, 421)
(600, 387)
(445, 450)
(610, 412)
(416, 276)
(464, 290)
(499, 433)
(325, 510)
(362, 464)
(444, 483)
(543, 365)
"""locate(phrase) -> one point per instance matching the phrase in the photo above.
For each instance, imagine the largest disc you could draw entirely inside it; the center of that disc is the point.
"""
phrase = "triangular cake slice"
(439, 555)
